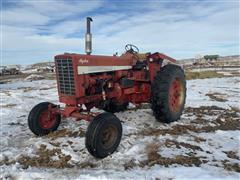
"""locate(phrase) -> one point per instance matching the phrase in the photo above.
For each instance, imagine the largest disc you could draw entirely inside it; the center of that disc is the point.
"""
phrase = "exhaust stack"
(88, 37)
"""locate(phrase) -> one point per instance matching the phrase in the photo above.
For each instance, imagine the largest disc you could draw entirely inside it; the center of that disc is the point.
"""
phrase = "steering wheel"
(131, 49)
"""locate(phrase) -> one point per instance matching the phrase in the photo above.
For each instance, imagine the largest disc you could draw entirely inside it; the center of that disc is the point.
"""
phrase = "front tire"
(103, 135)
(41, 121)
(168, 93)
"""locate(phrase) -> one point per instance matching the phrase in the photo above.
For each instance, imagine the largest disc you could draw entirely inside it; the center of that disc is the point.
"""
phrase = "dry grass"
(202, 75)
(155, 158)
(231, 166)
(179, 145)
(43, 158)
(6, 93)
(199, 139)
(66, 132)
(225, 120)
(232, 154)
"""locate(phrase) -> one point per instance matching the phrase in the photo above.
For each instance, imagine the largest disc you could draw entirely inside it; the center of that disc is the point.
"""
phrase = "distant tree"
(211, 57)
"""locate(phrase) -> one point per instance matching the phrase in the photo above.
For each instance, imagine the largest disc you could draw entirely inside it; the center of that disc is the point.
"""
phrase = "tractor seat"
(142, 56)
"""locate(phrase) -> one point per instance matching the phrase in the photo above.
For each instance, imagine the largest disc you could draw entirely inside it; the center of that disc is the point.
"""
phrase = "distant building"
(41, 67)
(210, 61)
(46, 67)
(10, 70)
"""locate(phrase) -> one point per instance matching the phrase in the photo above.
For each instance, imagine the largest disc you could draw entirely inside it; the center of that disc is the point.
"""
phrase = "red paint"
(88, 88)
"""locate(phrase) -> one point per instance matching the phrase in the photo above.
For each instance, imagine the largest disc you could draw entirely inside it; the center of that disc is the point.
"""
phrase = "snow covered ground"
(203, 144)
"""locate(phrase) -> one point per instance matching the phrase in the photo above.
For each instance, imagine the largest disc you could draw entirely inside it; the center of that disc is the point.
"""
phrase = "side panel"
(154, 66)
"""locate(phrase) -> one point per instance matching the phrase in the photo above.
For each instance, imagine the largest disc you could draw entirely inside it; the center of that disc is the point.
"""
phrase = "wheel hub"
(109, 136)
(47, 120)
(176, 94)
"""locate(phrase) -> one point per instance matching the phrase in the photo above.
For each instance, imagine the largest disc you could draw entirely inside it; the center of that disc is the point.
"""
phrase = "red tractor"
(110, 83)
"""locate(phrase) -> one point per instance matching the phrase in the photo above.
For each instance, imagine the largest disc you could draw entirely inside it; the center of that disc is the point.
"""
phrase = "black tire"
(165, 109)
(113, 108)
(95, 142)
(34, 119)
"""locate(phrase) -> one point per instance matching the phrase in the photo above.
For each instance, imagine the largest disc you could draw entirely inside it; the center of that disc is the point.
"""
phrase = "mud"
(16, 124)
(27, 89)
(8, 105)
(47, 88)
(217, 97)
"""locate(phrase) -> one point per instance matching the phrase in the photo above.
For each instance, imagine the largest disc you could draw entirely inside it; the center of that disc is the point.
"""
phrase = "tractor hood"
(98, 60)
(86, 64)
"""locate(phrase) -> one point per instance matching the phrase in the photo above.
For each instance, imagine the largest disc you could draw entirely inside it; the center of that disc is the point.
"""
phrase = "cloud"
(22, 17)
(35, 31)
(180, 33)
(52, 10)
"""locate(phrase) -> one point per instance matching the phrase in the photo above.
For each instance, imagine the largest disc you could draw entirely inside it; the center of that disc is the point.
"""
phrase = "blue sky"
(36, 30)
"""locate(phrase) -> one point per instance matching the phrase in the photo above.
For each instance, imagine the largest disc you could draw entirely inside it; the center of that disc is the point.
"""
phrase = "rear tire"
(103, 135)
(168, 93)
(39, 121)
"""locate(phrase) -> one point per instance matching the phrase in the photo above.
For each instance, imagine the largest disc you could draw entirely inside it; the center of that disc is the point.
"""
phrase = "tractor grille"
(65, 76)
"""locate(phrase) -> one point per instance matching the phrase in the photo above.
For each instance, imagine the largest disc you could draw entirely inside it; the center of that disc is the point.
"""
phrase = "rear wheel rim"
(47, 120)
(176, 95)
(109, 136)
